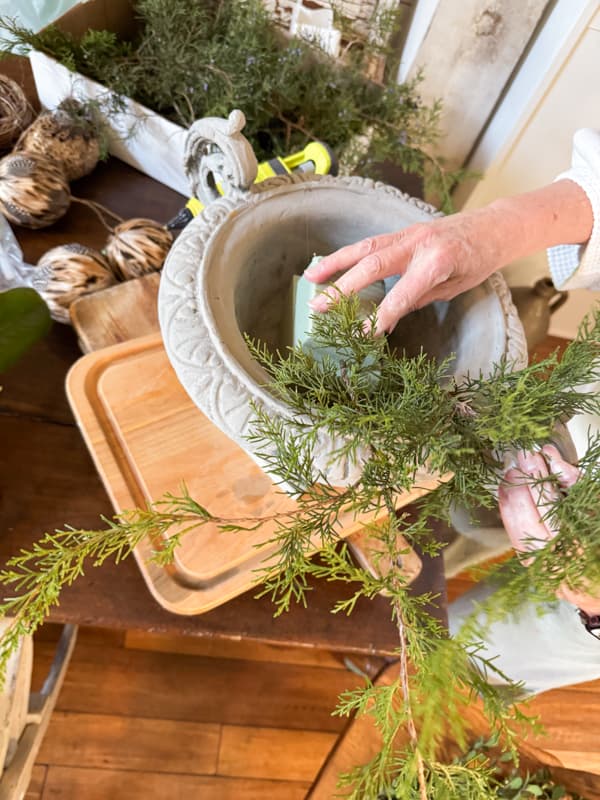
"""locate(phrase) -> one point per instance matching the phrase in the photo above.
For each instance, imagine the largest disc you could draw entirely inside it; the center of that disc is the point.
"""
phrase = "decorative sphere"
(137, 247)
(68, 272)
(59, 137)
(15, 112)
(33, 191)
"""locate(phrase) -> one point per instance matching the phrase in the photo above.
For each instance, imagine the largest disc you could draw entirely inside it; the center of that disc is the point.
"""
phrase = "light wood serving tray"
(147, 438)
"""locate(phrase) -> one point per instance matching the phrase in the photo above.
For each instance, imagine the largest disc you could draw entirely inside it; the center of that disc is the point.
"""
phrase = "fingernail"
(320, 303)
(551, 452)
(377, 330)
(528, 462)
(314, 267)
(512, 476)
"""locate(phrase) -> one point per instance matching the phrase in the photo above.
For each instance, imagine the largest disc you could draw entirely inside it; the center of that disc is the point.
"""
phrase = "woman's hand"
(524, 504)
(437, 261)
(440, 259)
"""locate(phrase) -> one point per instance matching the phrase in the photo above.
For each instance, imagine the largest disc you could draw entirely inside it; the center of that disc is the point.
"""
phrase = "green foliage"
(478, 774)
(37, 576)
(87, 118)
(24, 318)
(401, 416)
(193, 60)
(508, 783)
(397, 416)
(19, 40)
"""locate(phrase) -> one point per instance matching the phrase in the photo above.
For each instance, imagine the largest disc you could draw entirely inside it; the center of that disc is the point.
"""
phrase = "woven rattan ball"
(136, 247)
(33, 191)
(15, 112)
(59, 135)
(66, 273)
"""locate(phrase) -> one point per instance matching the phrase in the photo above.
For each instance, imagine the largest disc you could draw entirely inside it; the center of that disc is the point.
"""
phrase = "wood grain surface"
(116, 314)
(110, 741)
(148, 439)
(73, 783)
(36, 785)
(47, 478)
(102, 680)
(119, 746)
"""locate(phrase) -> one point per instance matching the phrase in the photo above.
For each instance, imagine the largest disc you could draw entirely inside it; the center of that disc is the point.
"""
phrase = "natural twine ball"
(137, 247)
(65, 136)
(33, 191)
(66, 273)
(15, 112)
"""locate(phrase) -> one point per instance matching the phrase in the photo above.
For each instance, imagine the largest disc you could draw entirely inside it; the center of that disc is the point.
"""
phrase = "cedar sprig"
(398, 416)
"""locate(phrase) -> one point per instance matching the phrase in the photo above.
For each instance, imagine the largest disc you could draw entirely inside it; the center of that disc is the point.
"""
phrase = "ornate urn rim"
(201, 299)
(206, 359)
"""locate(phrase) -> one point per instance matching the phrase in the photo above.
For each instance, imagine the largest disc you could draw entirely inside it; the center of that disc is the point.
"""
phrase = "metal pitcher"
(535, 305)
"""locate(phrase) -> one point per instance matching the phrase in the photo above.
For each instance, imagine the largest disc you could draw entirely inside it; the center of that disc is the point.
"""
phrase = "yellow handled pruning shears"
(317, 158)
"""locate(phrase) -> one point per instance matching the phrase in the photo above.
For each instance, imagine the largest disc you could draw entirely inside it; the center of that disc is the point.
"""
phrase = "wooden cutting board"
(117, 314)
(147, 438)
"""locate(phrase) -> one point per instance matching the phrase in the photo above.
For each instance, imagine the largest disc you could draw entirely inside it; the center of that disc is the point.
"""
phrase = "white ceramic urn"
(229, 271)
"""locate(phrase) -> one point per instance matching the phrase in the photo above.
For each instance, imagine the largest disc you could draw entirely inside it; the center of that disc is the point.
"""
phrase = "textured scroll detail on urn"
(217, 153)
(516, 343)
(351, 182)
(192, 345)
(207, 356)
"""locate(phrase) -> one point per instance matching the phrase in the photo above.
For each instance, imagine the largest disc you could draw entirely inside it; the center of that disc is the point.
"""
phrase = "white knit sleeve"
(576, 266)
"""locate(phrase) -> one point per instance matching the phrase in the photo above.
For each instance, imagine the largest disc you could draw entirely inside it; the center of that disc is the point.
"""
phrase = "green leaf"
(24, 318)
(535, 790)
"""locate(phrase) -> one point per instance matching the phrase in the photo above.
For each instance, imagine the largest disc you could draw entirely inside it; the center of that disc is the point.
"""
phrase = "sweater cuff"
(577, 266)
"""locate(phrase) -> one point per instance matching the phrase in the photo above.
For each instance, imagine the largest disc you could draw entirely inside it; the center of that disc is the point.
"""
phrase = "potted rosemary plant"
(193, 60)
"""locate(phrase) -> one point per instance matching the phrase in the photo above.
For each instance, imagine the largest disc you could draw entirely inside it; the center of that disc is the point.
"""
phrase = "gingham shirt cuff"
(577, 266)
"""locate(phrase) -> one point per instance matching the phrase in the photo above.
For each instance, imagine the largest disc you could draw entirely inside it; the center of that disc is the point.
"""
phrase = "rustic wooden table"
(47, 478)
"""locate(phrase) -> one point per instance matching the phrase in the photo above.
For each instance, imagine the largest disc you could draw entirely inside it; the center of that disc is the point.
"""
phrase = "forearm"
(560, 213)
(450, 255)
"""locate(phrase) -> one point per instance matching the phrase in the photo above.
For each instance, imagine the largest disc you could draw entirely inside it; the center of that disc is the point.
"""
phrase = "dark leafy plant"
(87, 118)
(24, 318)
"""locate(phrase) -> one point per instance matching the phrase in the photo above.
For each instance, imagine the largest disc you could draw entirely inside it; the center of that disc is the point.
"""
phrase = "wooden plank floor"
(143, 717)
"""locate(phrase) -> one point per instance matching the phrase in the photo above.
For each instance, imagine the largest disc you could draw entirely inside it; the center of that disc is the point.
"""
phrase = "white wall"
(529, 143)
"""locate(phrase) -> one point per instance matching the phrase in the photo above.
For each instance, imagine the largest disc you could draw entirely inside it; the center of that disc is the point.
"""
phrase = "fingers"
(520, 516)
(590, 603)
(412, 292)
(351, 255)
(421, 284)
(544, 492)
(374, 267)
(566, 474)
(525, 500)
(424, 273)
